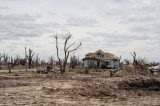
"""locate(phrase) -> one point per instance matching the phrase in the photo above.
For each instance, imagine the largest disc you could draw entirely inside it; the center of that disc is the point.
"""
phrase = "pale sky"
(115, 26)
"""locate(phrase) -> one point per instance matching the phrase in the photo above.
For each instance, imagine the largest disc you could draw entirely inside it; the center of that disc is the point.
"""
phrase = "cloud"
(16, 18)
(141, 21)
(15, 26)
(151, 30)
(82, 22)
(113, 37)
(4, 8)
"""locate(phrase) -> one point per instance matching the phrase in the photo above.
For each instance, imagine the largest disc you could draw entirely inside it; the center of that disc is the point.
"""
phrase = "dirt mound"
(92, 89)
(141, 83)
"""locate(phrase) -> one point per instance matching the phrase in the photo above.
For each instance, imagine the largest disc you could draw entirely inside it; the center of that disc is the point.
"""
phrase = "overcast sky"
(115, 26)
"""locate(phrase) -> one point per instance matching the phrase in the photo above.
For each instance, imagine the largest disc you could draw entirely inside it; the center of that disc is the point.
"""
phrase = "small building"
(100, 59)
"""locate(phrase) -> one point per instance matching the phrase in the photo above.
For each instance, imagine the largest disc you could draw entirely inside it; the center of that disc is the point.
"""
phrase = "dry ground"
(22, 88)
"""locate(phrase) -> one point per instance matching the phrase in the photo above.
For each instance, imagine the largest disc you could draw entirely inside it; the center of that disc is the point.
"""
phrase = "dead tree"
(5, 58)
(30, 58)
(37, 61)
(25, 59)
(153, 64)
(137, 63)
(74, 61)
(141, 65)
(127, 61)
(67, 50)
(119, 58)
(7, 61)
(17, 60)
(1, 56)
(51, 61)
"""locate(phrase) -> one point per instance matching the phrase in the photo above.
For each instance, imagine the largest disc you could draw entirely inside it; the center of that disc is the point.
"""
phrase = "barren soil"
(22, 88)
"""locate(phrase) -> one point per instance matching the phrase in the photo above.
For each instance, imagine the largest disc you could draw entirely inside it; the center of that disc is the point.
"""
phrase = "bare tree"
(37, 61)
(142, 65)
(74, 61)
(51, 61)
(1, 56)
(135, 62)
(127, 61)
(25, 59)
(30, 58)
(153, 64)
(17, 60)
(119, 58)
(67, 51)
(7, 61)
(5, 58)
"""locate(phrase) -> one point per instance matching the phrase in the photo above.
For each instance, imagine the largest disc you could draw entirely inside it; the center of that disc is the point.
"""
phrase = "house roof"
(89, 58)
(105, 55)
(99, 51)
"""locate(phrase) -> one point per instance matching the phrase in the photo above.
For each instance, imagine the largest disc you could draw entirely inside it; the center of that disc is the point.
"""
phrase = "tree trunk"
(9, 68)
(29, 64)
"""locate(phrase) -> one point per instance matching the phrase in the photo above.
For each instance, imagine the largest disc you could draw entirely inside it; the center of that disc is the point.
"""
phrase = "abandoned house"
(100, 59)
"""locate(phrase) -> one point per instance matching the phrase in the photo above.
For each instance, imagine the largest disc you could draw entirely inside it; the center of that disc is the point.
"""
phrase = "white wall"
(112, 64)
(116, 64)
(89, 62)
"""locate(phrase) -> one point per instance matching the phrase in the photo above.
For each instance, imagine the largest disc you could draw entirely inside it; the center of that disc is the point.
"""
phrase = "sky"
(115, 26)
